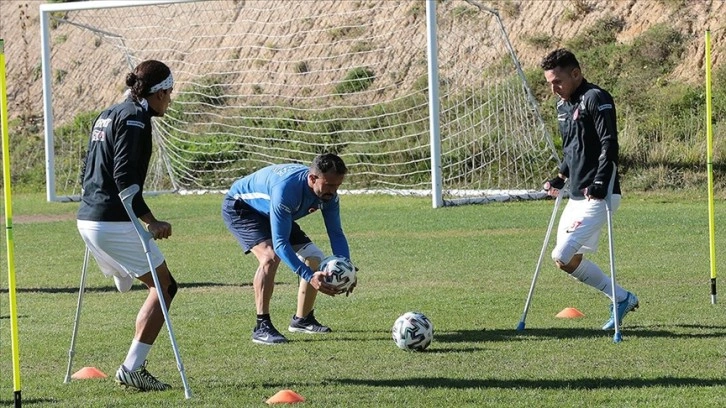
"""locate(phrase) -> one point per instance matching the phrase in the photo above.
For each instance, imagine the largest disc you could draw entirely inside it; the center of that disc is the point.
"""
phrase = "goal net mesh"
(263, 82)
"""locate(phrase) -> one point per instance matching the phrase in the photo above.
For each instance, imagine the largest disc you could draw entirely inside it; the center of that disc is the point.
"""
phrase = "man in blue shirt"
(260, 210)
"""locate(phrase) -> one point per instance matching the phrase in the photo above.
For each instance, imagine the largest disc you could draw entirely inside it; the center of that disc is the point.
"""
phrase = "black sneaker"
(266, 333)
(307, 324)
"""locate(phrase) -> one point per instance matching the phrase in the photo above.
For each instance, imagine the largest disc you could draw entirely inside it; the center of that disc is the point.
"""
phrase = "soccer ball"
(342, 272)
(413, 331)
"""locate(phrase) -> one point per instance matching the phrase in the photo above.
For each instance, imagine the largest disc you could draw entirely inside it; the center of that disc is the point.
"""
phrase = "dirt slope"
(559, 19)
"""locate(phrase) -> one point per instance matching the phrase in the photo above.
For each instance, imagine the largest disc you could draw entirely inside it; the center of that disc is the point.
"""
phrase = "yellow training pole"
(709, 165)
(9, 228)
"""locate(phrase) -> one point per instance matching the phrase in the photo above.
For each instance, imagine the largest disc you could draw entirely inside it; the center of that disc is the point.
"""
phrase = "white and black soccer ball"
(412, 331)
(342, 272)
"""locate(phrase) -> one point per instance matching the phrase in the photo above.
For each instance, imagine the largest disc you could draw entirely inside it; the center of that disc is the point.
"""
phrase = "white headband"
(168, 83)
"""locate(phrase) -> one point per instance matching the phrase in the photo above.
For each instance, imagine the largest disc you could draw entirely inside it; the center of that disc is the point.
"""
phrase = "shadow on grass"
(533, 334)
(576, 333)
(541, 383)
(102, 289)
(40, 402)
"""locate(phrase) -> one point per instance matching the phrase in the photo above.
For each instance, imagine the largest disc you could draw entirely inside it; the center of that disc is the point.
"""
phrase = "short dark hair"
(561, 57)
(146, 75)
(328, 163)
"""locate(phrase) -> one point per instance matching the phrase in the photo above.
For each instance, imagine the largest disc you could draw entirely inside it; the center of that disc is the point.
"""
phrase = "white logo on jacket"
(101, 123)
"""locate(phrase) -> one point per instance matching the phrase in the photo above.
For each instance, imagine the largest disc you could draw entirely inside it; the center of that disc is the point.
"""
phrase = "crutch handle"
(127, 196)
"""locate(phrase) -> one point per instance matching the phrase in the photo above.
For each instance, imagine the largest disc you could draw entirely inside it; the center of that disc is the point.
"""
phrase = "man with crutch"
(587, 123)
(119, 151)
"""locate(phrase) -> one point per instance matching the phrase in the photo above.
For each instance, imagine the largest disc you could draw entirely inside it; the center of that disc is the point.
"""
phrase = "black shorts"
(251, 228)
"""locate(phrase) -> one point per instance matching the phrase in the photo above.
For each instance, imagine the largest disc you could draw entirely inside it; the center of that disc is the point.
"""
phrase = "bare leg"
(264, 281)
(150, 318)
(306, 294)
(572, 265)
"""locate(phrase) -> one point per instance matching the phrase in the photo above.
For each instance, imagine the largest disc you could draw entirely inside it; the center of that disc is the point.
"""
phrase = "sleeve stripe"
(605, 106)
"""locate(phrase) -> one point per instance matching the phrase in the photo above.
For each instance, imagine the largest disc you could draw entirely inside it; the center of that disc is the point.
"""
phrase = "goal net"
(264, 82)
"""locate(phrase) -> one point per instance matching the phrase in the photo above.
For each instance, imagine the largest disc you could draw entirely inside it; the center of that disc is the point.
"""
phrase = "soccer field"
(467, 268)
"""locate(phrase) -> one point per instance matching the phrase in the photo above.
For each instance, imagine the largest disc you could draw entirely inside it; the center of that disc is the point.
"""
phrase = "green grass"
(467, 268)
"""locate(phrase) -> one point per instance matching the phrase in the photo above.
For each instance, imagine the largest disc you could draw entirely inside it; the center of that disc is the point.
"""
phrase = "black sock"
(262, 318)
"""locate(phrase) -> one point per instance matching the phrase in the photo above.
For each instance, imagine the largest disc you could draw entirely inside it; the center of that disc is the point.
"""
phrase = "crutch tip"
(520, 326)
(617, 338)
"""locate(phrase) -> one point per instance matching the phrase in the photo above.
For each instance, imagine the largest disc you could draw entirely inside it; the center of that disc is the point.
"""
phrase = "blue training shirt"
(281, 192)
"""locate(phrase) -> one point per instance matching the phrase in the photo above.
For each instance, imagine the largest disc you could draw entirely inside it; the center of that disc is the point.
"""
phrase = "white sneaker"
(123, 284)
(140, 379)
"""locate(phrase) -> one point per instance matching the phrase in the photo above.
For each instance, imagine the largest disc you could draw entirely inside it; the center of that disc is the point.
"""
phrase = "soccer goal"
(418, 97)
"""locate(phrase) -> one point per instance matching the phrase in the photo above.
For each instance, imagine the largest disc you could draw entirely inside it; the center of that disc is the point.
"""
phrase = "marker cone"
(285, 397)
(88, 372)
(569, 313)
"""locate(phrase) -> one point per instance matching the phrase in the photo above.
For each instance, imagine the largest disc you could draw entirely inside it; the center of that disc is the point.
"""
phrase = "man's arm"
(281, 225)
(602, 109)
(126, 153)
(563, 169)
(338, 241)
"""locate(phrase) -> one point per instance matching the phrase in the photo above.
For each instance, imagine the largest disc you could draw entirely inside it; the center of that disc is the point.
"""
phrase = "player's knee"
(269, 262)
(562, 255)
(313, 262)
(311, 255)
(172, 289)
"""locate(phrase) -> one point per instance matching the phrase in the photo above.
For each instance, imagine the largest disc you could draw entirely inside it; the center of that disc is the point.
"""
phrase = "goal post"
(51, 15)
(259, 82)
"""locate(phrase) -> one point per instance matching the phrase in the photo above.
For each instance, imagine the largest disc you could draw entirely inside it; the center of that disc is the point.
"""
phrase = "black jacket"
(119, 151)
(589, 138)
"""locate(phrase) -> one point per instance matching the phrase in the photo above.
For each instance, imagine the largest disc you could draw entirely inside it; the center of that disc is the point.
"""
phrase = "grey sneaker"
(267, 334)
(140, 379)
(625, 306)
(307, 324)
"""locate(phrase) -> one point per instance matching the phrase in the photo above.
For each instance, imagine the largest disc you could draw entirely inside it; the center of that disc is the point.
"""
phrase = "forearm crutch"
(127, 196)
(558, 200)
(72, 349)
(617, 337)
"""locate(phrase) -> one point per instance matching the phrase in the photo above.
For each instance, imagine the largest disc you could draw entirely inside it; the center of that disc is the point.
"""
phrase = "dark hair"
(561, 58)
(328, 163)
(146, 75)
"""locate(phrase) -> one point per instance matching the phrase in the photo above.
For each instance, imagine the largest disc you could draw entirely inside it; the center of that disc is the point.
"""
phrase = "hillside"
(290, 57)
(561, 20)
(556, 20)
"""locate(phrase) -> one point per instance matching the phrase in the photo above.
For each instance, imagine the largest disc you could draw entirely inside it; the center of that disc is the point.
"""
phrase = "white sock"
(136, 356)
(590, 274)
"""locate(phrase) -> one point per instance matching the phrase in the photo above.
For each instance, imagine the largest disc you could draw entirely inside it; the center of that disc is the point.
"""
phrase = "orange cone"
(88, 372)
(285, 397)
(569, 313)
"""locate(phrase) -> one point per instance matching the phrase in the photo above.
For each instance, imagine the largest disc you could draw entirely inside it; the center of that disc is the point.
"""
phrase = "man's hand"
(317, 281)
(553, 186)
(159, 229)
(350, 289)
(355, 283)
(596, 191)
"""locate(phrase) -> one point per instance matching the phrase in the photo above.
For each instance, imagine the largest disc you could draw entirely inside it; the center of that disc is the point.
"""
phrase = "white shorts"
(582, 221)
(117, 248)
